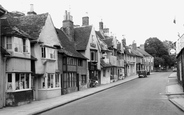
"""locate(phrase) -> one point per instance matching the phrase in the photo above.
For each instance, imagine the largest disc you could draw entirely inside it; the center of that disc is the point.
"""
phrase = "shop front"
(94, 73)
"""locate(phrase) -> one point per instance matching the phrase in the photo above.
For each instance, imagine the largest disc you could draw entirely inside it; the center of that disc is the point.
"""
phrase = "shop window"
(69, 80)
(57, 80)
(9, 85)
(21, 81)
(50, 81)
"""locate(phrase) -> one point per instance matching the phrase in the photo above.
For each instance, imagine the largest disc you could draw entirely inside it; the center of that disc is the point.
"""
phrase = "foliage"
(160, 51)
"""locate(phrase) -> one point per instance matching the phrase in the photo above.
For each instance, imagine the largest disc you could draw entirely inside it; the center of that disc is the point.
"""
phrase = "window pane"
(9, 84)
(22, 82)
(9, 43)
(17, 81)
(57, 80)
(27, 81)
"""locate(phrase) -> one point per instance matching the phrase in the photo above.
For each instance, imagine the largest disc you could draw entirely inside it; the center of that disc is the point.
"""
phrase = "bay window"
(18, 81)
(47, 52)
(16, 44)
(51, 80)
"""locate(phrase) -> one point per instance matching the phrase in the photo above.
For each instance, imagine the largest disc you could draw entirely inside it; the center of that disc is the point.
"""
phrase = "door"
(78, 86)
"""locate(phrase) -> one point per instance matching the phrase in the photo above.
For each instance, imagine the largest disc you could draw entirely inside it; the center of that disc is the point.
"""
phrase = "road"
(142, 96)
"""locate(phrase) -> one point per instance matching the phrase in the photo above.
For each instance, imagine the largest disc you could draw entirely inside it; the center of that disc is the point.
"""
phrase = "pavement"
(37, 107)
(175, 92)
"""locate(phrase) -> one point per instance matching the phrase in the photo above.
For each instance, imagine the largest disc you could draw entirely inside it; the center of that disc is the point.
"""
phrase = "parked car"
(174, 69)
(142, 73)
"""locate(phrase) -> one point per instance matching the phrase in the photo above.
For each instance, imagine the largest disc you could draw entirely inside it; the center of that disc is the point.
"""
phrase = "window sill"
(19, 90)
(49, 89)
(48, 59)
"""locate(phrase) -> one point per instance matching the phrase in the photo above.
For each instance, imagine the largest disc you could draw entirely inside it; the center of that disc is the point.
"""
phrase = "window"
(9, 83)
(83, 79)
(48, 52)
(71, 61)
(43, 52)
(80, 62)
(93, 55)
(25, 48)
(50, 81)
(20, 80)
(8, 43)
(69, 80)
(57, 80)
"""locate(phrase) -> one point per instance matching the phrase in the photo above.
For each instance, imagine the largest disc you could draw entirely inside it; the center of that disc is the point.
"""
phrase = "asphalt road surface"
(142, 96)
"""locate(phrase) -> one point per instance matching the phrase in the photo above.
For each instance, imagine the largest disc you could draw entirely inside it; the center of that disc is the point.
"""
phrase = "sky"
(134, 19)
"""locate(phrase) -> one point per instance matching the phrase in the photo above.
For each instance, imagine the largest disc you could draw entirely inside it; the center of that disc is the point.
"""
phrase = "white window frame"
(11, 86)
(48, 53)
(45, 81)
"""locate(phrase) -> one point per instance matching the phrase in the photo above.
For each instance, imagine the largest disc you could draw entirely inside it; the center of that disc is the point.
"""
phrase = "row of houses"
(40, 61)
(180, 60)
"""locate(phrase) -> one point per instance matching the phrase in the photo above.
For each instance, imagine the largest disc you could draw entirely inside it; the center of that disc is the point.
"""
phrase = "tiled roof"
(8, 29)
(31, 24)
(68, 47)
(100, 35)
(137, 53)
(81, 37)
(105, 65)
(144, 53)
(2, 11)
(108, 42)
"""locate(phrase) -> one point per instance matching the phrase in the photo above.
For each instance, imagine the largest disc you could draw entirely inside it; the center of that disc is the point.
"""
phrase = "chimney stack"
(124, 42)
(101, 26)
(142, 46)
(68, 26)
(134, 46)
(85, 20)
(31, 12)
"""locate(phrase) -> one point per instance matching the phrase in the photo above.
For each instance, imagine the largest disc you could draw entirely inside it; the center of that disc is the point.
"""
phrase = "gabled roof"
(68, 47)
(2, 11)
(81, 37)
(144, 53)
(31, 24)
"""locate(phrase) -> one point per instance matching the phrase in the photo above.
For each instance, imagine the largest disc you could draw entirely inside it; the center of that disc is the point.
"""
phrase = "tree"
(156, 48)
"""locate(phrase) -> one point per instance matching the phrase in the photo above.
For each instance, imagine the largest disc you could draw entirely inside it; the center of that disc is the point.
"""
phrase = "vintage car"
(142, 73)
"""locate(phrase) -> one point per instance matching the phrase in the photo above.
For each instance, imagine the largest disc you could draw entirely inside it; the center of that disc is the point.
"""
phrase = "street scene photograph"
(91, 57)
